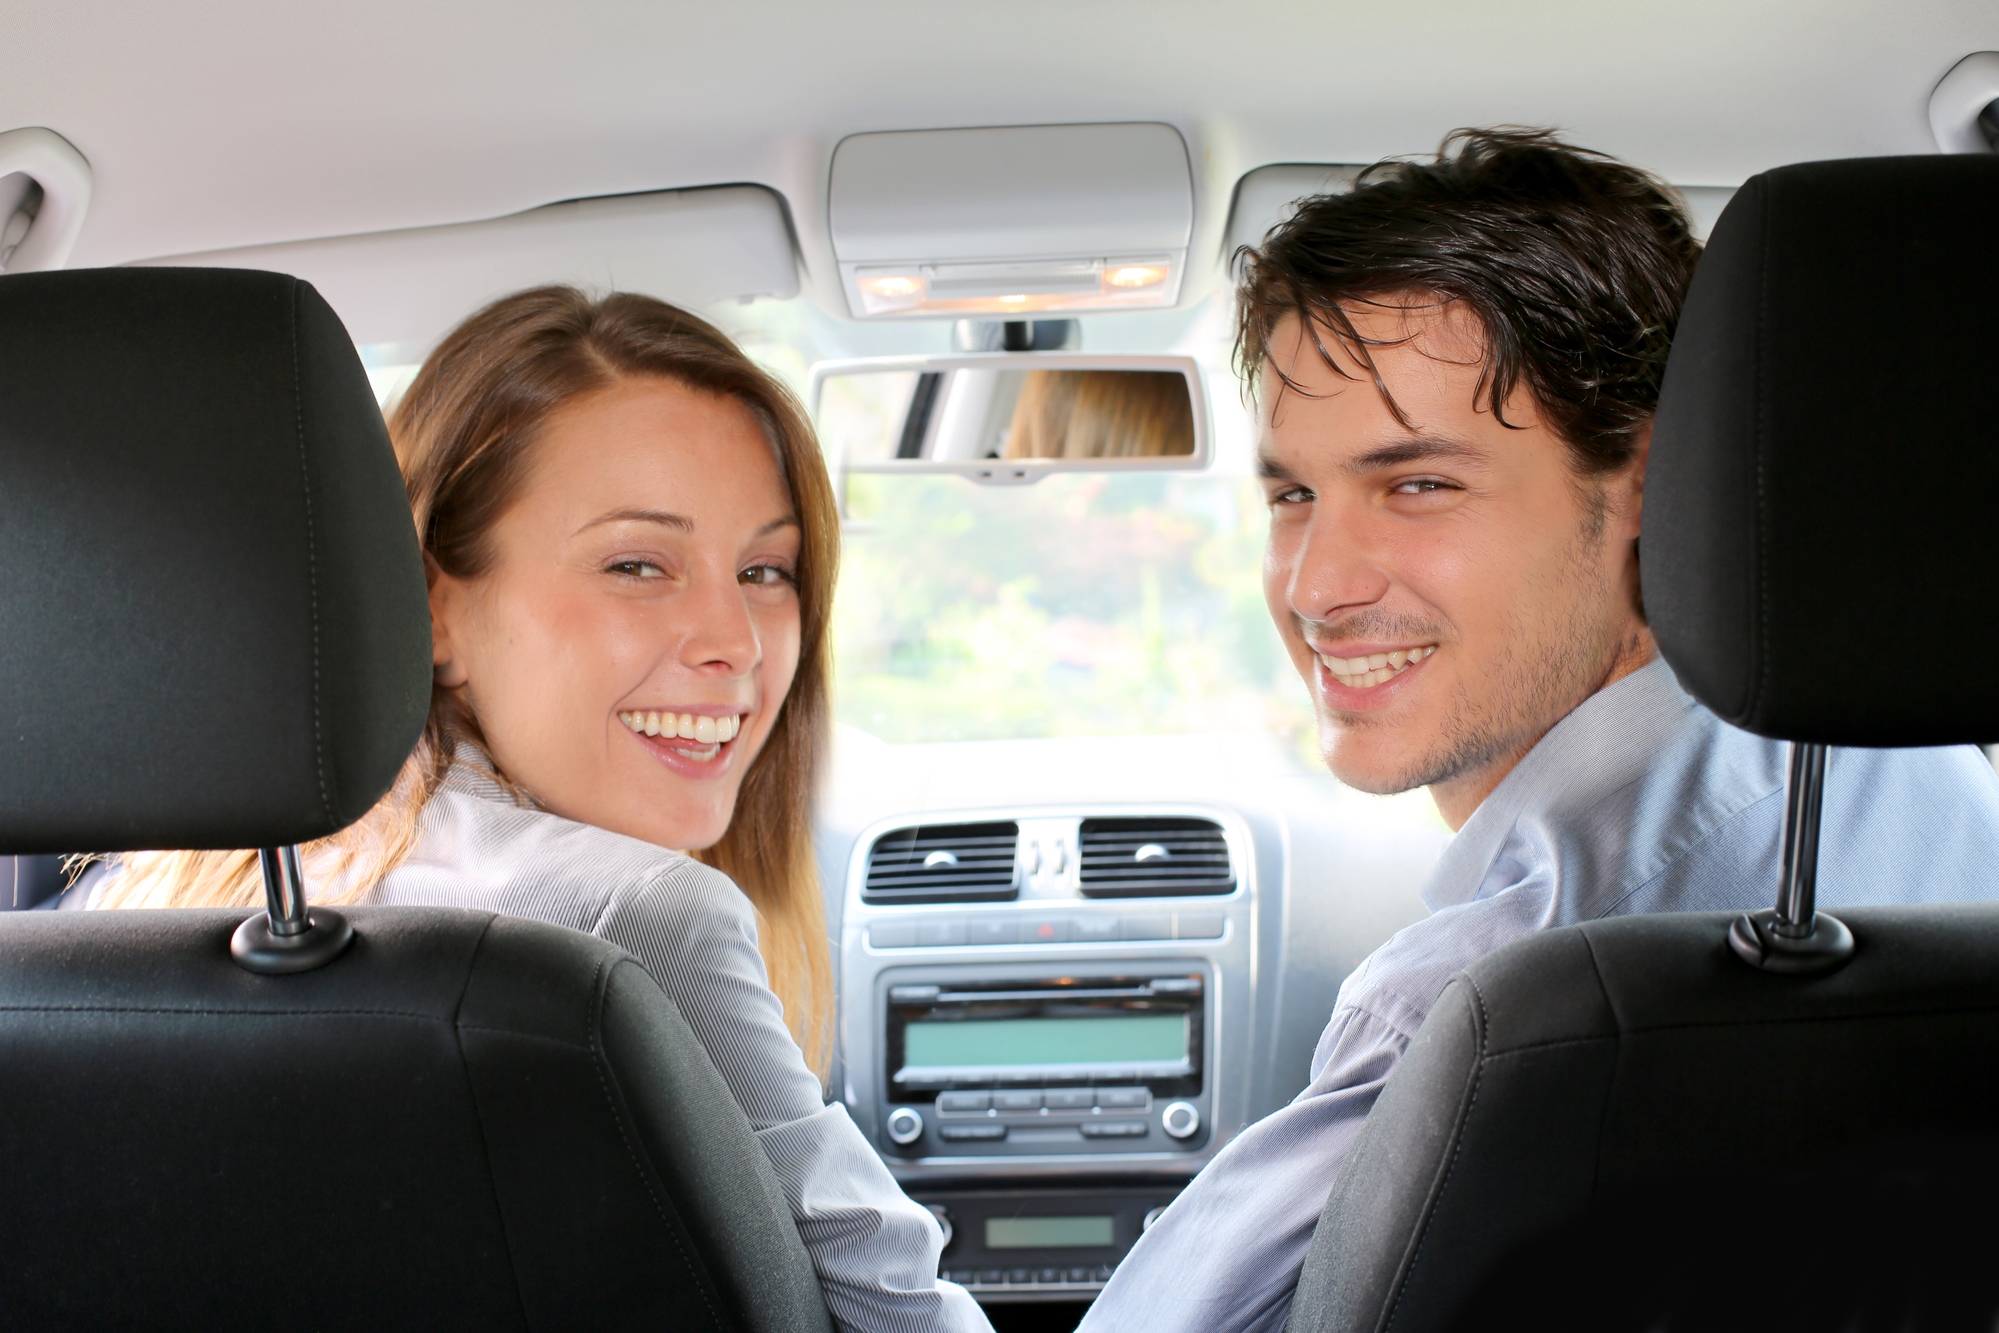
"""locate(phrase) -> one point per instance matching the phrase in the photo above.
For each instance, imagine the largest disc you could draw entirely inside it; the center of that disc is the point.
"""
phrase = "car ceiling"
(230, 123)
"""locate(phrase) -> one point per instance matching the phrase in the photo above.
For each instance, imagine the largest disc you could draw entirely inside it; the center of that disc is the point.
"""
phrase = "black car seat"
(214, 634)
(1771, 1120)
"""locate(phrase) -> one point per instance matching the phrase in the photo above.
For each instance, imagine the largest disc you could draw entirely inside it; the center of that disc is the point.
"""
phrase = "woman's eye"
(765, 575)
(636, 569)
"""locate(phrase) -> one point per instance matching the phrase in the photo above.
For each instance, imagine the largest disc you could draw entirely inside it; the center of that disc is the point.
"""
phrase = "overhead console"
(1048, 1024)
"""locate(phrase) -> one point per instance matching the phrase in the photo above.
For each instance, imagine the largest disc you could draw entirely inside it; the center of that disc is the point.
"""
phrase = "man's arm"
(1224, 1258)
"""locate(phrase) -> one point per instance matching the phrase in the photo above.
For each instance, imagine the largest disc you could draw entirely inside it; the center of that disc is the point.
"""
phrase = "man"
(1457, 364)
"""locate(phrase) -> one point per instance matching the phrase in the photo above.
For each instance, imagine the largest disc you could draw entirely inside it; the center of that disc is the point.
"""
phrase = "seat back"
(1825, 414)
(1637, 1059)
(214, 634)
(466, 1121)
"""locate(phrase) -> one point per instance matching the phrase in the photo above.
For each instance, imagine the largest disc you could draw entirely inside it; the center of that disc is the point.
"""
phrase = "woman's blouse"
(875, 1249)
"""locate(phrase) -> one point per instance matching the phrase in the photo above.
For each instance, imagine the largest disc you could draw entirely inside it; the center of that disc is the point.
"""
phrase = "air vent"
(944, 863)
(1157, 857)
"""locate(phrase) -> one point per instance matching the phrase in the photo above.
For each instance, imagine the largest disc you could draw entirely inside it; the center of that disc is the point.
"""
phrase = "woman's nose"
(719, 633)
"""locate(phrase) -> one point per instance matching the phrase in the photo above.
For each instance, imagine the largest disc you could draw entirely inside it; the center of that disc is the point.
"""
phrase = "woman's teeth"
(1360, 673)
(697, 727)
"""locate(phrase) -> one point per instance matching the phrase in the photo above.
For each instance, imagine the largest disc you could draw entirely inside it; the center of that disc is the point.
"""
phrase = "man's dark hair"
(1574, 263)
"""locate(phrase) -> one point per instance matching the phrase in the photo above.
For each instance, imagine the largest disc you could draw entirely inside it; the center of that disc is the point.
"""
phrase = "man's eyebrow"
(1419, 448)
(1270, 468)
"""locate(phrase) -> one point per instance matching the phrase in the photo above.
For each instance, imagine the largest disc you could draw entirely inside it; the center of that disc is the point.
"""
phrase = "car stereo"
(1012, 1061)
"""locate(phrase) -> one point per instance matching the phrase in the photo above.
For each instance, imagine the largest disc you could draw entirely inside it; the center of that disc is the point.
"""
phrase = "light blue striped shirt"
(1639, 801)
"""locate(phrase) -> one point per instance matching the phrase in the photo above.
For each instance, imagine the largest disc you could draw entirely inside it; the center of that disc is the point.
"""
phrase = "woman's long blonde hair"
(462, 433)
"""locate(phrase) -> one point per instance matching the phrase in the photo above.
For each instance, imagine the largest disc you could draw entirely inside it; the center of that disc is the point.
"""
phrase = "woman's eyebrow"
(660, 516)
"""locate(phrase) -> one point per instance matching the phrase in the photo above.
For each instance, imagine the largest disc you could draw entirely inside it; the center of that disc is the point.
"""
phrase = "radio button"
(964, 1101)
(905, 1126)
(1048, 930)
(1020, 1275)
(940, 930)
(1114, 1129)
(1149, 926)
(1077, 1275)
(1181, 1120)
(892, 934)
(1003, 931)
(1016, 1101)
(1122, 1099)
(1199, 926)
(1094, 928)
(991, 1277)
(971, 1133)
(1067, 1099)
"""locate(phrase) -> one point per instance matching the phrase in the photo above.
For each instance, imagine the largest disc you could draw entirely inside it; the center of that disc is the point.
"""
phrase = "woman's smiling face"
(628, 646)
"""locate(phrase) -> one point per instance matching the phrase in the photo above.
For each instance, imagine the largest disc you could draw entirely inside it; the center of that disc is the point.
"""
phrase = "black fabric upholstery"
(1824, 450)
(213, 624)
(1633, 1055)
(466, 1121)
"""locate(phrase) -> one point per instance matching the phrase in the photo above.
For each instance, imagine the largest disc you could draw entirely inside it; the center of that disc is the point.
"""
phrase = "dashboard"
(1055, 1008)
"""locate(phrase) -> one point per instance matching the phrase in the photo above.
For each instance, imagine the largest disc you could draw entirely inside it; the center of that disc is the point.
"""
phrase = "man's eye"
(765, 575)
(636, 569)
(1419, 486)
(1293, 495)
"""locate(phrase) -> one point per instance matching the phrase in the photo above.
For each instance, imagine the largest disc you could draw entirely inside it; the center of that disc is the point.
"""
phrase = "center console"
(1046, 1025)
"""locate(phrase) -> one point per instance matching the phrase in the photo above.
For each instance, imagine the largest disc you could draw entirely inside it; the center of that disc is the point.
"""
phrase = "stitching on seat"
(311, 562)
(1444, 1182)
(217, 1013)
(479, 1116)
(1759, 680)
(600, 988)
(1603, 1112)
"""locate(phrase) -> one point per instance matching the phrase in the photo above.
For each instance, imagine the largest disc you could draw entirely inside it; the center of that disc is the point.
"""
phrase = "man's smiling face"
(1450, 588)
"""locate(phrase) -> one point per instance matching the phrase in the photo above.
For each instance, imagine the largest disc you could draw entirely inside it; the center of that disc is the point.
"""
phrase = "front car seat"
(216, 635)
(1706, 1121)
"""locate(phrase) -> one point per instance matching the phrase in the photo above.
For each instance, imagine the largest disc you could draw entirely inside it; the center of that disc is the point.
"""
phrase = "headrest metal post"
(1794, 937)
(284, 891)
(287, 936)
(1804, 796)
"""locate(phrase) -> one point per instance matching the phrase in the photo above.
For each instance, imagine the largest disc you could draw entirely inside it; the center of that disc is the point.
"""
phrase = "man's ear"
(1630, 482)
(447, 601)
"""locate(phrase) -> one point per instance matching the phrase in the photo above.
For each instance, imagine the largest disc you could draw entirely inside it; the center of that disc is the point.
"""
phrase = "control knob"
(905, 1126)
(1180, 1119)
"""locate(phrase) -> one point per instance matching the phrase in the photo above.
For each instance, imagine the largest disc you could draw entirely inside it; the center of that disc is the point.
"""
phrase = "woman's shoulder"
(486, 849)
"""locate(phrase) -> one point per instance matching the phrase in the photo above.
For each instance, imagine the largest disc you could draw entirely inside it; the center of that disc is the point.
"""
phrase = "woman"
(631, 542)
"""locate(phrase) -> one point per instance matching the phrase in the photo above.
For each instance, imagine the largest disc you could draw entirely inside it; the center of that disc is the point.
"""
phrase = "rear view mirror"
(1011, 418)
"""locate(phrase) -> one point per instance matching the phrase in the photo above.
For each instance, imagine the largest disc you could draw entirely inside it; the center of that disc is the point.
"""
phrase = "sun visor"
(691, 247)
(1011, 221)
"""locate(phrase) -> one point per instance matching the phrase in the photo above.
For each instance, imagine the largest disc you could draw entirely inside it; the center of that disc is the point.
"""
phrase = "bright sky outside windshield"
(1084, 605)
(1093, 1040)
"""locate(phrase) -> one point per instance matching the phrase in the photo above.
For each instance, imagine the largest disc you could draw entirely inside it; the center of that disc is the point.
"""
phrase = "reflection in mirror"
(1101, 414)
(955, 416)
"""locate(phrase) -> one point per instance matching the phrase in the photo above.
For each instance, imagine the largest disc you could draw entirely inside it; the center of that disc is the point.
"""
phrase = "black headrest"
(213, 624)
(1818, 555)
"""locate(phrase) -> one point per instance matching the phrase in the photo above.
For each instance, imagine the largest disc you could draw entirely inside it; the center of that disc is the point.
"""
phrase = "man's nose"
(1334, 567)
(719, 635)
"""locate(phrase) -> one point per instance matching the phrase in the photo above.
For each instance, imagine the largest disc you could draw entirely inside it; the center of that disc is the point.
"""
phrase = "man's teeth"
(1358, 673)
(697, 727)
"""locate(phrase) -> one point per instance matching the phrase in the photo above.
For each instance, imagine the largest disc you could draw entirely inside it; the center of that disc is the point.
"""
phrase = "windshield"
(1087, 604)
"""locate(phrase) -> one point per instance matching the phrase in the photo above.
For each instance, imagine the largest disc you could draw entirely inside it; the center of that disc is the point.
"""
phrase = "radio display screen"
(1048, 1233)
(1093, 1039)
